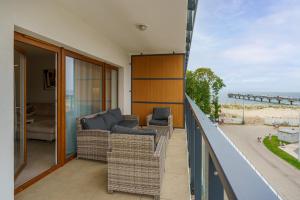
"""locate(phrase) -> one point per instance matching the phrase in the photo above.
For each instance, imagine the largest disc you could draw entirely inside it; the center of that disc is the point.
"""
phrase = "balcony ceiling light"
(141, 27)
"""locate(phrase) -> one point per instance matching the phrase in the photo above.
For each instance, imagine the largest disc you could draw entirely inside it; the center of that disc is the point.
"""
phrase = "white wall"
(124, 97)
(6, 103)
(127, 89)
(48, 21)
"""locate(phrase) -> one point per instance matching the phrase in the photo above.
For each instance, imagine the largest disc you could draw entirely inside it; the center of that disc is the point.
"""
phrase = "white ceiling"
(117, 19)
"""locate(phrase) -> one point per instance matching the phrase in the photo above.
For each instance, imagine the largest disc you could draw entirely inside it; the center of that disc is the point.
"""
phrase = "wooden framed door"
(61, 107)
(20, 142)
(27, 40)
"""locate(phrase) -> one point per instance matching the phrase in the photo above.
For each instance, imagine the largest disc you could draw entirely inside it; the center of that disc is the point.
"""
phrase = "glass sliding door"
(83, 95)
(35, 109)
(19, 112)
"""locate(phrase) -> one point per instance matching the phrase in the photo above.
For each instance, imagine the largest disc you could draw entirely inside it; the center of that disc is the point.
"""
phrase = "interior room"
(35, 111)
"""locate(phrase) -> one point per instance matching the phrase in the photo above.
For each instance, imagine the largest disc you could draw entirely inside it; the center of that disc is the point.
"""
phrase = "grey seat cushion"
(161, 113)
(128, 123)
(109, 120)
(93, 123)
(117, 114)
(158, 122)
(125, 130)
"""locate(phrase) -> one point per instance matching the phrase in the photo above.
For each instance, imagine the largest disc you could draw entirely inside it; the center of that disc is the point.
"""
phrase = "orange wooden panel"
(157, 90)
(144, 109)
(158, 66)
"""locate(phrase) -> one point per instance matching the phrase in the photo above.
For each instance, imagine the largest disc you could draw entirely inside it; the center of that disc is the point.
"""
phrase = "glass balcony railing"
(218, 170)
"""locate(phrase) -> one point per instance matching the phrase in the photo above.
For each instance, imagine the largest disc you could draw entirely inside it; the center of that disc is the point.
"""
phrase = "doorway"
(35, 97)
(38, 83)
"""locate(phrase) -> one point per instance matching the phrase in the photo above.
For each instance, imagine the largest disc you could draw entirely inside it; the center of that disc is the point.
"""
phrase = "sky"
(253, 45)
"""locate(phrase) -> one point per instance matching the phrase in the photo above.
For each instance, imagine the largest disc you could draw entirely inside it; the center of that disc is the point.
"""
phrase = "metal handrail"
(239, 178)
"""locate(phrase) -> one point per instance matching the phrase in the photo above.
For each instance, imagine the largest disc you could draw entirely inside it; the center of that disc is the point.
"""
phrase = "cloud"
(220, 8)
(259, 53)
(230, 8)
(250, 44)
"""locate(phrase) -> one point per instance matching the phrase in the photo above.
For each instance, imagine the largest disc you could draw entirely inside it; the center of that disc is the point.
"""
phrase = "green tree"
(199, 91)
(203, 86)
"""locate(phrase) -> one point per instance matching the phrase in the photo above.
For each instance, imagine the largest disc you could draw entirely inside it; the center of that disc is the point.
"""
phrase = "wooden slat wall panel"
(142, 110)
(158, 81)
(157, 90)
(160, 66)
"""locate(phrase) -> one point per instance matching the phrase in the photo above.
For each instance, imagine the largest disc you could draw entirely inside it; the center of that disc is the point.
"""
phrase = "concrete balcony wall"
(6, 102)
(48, 20)
(51, 22)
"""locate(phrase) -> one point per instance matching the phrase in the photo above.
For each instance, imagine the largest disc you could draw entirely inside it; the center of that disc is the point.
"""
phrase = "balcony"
(214, 164)
(82, 179)
(201, 162)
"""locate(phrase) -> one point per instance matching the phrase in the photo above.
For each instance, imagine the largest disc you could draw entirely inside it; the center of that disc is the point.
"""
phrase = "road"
(283, 177)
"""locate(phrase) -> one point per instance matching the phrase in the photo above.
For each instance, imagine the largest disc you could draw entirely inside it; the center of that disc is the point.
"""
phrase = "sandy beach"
(257, 114)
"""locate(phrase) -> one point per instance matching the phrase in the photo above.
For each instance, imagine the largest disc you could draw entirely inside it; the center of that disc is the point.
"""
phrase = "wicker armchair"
(136, 164)
(94, 143)
(169, 125)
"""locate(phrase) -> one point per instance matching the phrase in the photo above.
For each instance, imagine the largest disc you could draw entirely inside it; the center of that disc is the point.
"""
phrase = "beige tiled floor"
(87, 180)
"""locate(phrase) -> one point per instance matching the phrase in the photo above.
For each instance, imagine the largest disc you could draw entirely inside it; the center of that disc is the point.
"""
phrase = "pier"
(264, 98)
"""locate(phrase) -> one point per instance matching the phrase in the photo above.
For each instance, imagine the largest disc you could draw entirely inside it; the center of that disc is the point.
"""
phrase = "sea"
(224, 99)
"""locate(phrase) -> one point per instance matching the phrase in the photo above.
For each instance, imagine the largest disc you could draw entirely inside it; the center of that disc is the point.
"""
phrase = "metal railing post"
(215, 187)
(198, 164)
(188, 123)
(188, 126)
(192, 152)
(190, 136)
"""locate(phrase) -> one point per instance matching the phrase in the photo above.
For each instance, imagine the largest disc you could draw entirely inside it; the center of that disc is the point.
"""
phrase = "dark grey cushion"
(161, 113)
(129, 123)
(117, 114)
(126, 130)
(158, 122)
(109, 120)
(93, 123)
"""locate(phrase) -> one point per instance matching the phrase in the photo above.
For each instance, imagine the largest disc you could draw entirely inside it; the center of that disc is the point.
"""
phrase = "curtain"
(83, 95)
(108, 88)
(111, 84)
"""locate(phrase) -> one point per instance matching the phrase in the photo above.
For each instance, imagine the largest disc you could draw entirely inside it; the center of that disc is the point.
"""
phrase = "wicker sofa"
(136, 164)
(94, 143)
(161, 117)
